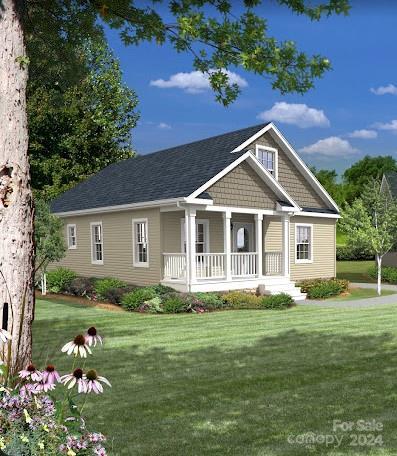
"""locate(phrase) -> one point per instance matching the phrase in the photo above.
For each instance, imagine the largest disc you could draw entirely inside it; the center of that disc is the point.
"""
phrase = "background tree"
(218, 39)
(328, 178)
(77, 131)
(363, 171)
(370, 223)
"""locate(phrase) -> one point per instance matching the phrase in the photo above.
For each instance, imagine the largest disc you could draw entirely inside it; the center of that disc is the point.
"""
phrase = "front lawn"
(361, 293)
(236, 382)
(354, 271)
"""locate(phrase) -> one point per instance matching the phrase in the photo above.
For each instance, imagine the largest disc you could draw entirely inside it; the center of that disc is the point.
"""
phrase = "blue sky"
(362, 50)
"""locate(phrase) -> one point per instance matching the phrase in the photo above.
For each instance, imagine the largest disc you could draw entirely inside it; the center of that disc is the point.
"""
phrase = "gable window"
(304, 243)
(96, 243)
(268, 158)
(72, 236)
(140, 243)
(202, 236)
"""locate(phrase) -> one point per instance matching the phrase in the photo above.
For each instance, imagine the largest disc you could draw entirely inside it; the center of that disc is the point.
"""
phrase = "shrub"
(177, 303)
(161, 289)
(240, 300)
(346, 253)
(82, 286)
(151, 306)
(278, 301)
(389, 274)
(132, 300)
(324, 288)
(60, 279)
(104, 285)
(114, 295)
(210, 301)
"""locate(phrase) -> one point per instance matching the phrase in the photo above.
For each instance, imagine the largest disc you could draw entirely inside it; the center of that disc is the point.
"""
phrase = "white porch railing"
(210, 265)
(174, 266)
(244, 264)
(273, 263)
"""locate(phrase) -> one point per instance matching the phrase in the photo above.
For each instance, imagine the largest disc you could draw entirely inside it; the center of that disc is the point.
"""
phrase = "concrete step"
(286, 287)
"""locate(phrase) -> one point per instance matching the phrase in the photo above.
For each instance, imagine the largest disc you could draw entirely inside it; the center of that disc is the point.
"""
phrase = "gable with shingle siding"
(291, 178)
(242, 187)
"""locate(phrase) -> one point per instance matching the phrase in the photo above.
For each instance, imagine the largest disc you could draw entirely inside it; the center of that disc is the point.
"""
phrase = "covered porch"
(224, 248)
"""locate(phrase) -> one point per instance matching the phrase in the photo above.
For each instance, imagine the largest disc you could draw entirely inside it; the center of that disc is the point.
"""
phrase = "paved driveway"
(357, 303)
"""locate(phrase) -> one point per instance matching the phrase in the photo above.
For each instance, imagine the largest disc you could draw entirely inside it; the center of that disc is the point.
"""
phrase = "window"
(141, 243)
(268, 157)
(202, 236)
(304, 241)
(72, 237)
(97, 243)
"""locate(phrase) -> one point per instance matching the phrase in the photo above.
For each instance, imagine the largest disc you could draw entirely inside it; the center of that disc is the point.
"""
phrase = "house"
(234, 211)
(389, 185)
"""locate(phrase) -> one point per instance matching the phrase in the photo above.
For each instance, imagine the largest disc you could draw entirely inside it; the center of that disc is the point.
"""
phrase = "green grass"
(354, 271)
(361, 293)
(234, 382)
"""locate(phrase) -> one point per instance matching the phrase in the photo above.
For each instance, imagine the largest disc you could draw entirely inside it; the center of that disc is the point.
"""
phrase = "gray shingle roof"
(169, 173)
(391, 177)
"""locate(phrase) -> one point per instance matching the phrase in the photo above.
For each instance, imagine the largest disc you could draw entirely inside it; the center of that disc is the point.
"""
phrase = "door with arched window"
(243, 237)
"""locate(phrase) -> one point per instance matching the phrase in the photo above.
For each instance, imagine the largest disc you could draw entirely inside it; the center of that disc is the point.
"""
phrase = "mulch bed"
(78, 300)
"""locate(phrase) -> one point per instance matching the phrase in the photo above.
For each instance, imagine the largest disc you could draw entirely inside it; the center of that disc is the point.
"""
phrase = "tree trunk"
(16, 205)
(379, 263)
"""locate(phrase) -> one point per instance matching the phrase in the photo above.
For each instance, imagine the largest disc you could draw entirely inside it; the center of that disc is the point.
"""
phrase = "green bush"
(114, 295)
(82, 286)
(278, 301)
(152, 306)
(323, 288)
(176, 303)
(161, 290)
(389, 274)
(210, 301)
(104, 285)
(134, 299)
(60, 279)
(240, 300)
(346, 253)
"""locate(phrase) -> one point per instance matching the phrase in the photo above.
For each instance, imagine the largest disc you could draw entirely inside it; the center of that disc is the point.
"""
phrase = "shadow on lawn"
(247, 400)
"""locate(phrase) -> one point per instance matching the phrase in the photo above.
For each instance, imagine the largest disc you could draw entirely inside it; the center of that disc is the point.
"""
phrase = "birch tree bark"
(16, 205)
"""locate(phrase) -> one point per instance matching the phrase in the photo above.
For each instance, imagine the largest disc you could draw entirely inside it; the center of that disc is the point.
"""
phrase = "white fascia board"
(318, 214)
(121, 207)
(295, 157)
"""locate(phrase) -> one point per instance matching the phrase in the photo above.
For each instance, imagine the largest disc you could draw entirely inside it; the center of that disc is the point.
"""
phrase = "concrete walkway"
(357, 303)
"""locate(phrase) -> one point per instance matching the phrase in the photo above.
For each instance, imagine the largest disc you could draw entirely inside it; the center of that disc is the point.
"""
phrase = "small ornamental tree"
(370, 223)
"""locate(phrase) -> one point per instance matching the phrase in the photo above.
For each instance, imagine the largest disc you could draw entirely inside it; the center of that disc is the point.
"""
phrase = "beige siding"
(324, 264)
(117, 247)
(290, 177)
(273, 235)
(242, 187)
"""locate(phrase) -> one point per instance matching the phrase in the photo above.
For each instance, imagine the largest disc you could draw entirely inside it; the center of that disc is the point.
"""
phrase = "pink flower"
(50, 378)
(78, 346)
(93, 381)
(76, 377)
(92, 337)
(29, 388)
(31, 374)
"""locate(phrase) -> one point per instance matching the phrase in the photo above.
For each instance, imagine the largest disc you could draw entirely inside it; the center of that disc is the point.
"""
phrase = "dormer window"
(268, 157)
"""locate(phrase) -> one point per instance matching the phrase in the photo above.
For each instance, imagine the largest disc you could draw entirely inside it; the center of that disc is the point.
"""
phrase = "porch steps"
(282, 285)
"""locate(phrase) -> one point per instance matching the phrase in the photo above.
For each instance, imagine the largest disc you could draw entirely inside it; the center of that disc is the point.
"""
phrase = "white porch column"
(285, 260)
(190, 224)
(258, 243)
(227, 244)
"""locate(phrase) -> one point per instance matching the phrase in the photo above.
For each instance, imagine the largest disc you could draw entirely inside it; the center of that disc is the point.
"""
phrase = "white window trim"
(68, 226)
(93, 261)
(206, 224)
(297, 261)
(138, 264)
(259, 147)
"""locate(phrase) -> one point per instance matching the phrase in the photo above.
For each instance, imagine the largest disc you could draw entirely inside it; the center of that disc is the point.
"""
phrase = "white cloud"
(330, 147)
(364, 134)
(164, 126)
(295, 114)
(383, 90)
(194, 82)
(391, 126)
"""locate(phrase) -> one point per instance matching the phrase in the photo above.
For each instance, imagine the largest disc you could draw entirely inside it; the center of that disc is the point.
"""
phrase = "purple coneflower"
(77, 346)
(31, 374)
(50, 378)
(92, 337)
(28, 389)
(76, 377)
(93, 382)
(5, 336)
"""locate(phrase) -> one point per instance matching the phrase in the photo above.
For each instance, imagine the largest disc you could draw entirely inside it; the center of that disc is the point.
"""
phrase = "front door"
(243, 237)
